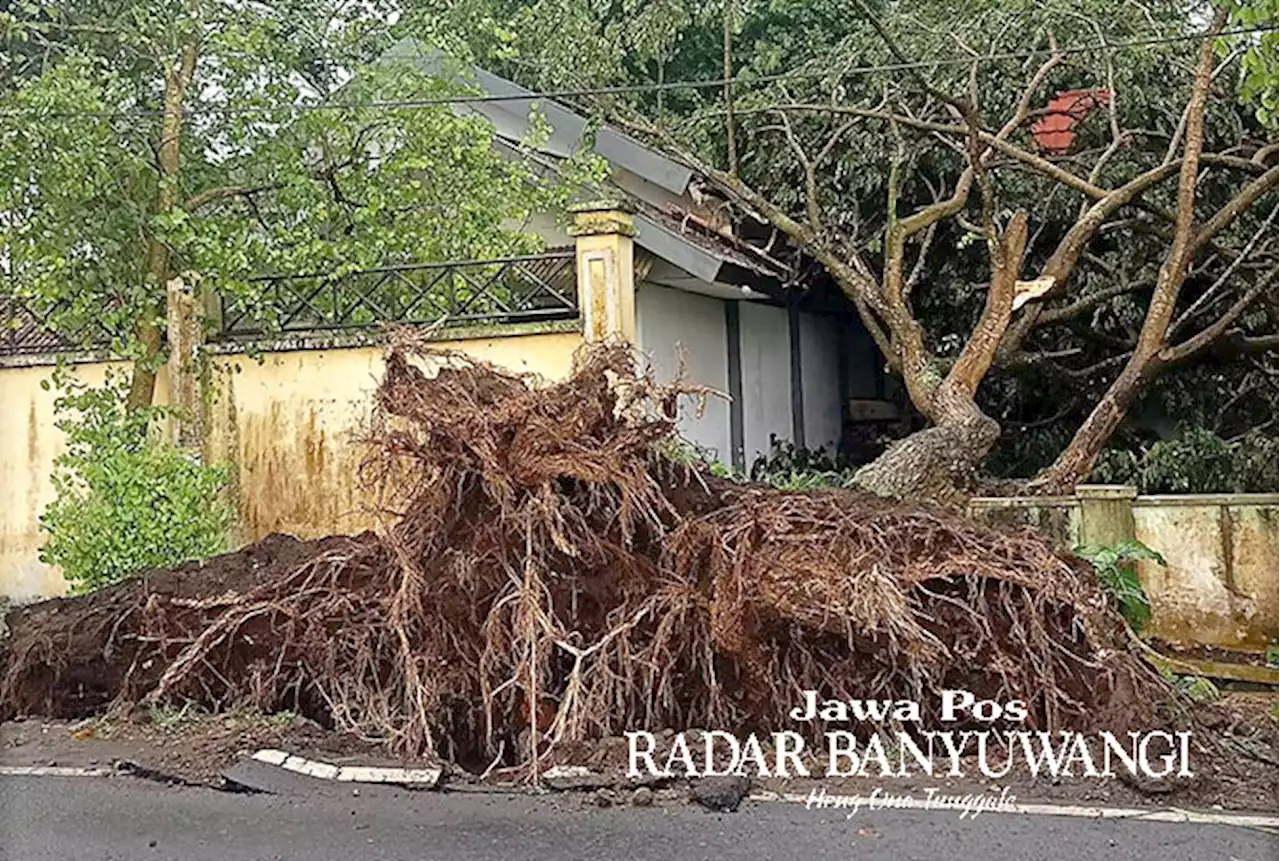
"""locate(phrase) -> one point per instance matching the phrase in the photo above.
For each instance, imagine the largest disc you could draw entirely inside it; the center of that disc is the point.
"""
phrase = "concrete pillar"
(1106, 513)
(186, 336)
(603, 231)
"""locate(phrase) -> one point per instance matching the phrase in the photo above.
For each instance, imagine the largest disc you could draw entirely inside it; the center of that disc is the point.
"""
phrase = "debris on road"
(720, 794)
(549, 573)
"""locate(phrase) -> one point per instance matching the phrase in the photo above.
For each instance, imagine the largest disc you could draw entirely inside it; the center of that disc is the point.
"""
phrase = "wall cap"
(602, 218)
(997, 502)
(1106, 491)
(1265, 500)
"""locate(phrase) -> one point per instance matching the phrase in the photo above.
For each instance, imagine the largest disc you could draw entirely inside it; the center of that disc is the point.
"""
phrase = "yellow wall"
(287, 421)
(1218, 586)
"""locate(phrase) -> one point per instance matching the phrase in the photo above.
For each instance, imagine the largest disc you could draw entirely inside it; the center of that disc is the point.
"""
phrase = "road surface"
(94, 819)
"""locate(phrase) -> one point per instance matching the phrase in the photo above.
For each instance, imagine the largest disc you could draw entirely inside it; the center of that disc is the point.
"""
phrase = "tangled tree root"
(545, 566)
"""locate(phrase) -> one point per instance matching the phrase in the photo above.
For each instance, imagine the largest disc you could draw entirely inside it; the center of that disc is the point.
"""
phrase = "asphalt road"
(89, 819)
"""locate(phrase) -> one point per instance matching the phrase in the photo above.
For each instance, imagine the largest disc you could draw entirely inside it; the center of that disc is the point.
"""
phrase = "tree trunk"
(147, 329)
(1077, 460)
(941, 462)
(938, 463)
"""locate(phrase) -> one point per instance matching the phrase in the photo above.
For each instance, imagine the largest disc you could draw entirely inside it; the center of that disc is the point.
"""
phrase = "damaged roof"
(664, 227)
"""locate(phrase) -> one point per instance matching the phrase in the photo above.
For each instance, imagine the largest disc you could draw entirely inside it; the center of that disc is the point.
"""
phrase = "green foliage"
(788, 467)
(1260, 65)
(168, 717)
(276, 172)
(1195, 460)
(720, 470)
(1273, 655)
(1198, 689)
(125, 500)
(1121, 579)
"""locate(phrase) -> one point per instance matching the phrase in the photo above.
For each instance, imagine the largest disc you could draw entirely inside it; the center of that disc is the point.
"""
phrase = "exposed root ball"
(545, 566)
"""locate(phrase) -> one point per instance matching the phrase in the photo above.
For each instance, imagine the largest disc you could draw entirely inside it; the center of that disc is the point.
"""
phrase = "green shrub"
(125, 500)
(1120, 579)
(1194, 460)
(788, 467)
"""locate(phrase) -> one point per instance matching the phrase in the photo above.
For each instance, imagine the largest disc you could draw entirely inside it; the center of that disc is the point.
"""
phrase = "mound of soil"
(548, 573)
(70, 657)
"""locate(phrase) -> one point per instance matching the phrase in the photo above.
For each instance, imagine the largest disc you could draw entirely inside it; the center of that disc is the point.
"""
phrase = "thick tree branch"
(210, 196)
(980, 350)
(1234, 208)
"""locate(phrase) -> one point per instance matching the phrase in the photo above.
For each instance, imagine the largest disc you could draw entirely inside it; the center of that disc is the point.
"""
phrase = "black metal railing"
(30, 326)
(503, 290)
(537, 287)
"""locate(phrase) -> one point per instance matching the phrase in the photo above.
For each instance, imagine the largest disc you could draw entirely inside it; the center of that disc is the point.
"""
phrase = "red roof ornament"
(1055, 131)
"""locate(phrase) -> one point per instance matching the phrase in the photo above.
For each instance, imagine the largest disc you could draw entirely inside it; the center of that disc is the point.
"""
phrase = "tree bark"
(939, 462)
(147, 328)
(1076, 461)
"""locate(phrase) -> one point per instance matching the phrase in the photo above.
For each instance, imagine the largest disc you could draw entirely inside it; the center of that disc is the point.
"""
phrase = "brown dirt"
(87, 643)
(544, 562)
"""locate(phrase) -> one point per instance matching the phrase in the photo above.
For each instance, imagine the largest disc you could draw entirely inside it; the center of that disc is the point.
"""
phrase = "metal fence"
(538, 287)
(31, 326)
(502, 290)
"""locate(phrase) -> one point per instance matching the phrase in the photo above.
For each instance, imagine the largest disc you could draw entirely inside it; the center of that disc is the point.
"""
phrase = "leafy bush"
(1121, 580)
(1195, 460)
(789, 467)
(125, 500)
(786, 466)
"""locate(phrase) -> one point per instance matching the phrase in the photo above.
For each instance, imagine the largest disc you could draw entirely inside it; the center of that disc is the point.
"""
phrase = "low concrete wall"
(1220, 586)
(287, 421)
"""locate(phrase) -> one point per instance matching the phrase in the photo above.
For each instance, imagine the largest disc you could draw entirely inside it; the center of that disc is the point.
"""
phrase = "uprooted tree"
(1144, 234)
(546, 565)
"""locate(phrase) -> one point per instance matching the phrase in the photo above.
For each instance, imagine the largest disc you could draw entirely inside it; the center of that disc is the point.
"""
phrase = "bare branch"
(873, 19)
(1048, 316)
(812, 210)
(1215, 330)
(1263, 230)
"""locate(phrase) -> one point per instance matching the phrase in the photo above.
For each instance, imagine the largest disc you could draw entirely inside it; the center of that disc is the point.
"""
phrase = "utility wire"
(627, 89)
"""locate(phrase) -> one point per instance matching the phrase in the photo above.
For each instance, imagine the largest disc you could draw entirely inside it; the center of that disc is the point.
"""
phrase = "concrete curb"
(53, 771)
(419, 778)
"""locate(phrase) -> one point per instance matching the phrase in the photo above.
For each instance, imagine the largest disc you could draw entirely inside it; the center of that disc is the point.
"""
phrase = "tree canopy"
(894, 144)
(221, 141)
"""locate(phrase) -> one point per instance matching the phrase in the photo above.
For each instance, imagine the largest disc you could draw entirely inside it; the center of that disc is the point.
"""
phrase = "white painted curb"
(420, 777)
(1168, 814)
(52, 771)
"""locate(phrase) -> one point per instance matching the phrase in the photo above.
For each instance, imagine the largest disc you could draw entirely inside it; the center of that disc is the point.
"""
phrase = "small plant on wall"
(1119, 576)
(125, 499)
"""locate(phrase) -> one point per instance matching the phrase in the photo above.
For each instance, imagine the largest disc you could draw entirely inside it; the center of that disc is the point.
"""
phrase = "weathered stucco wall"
(766, 377)
(287, 421)
(1219, 587)
(672, 325)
